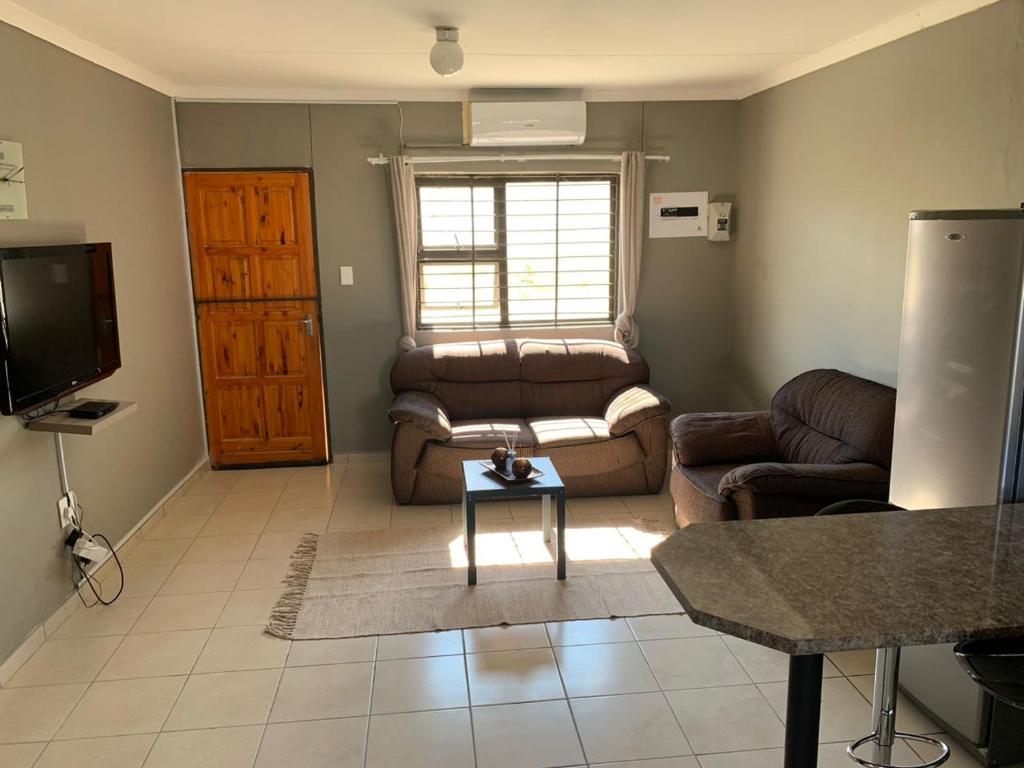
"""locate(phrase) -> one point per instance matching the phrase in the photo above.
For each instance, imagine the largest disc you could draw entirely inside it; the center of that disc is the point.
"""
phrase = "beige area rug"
(381, 582)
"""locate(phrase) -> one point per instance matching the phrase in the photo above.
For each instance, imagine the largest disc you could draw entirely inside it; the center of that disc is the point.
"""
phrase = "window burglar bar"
(516, 251)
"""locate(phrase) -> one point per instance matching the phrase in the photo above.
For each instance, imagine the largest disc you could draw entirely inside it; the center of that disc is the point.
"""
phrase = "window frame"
(500, 249)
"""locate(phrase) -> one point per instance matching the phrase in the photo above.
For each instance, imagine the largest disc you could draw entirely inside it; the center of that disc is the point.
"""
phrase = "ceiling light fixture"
(446, 55)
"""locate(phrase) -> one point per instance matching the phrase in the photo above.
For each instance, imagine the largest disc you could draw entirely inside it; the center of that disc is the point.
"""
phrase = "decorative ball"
(499, 457)
(522, 468)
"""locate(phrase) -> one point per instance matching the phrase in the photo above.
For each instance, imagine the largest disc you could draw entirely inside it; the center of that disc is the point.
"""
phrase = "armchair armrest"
(422, 410)
(632, 406)
(701, 439)
(832, 481)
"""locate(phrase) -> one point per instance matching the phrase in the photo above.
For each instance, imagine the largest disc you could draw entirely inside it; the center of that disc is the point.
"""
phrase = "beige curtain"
(403, 201)
(631, 239)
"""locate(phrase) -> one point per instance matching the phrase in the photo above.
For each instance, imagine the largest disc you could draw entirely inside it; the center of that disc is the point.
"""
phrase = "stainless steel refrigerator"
(958, 439)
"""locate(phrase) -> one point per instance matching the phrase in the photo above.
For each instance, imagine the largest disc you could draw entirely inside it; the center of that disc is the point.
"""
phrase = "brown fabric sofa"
(583, 403)
(827, 437)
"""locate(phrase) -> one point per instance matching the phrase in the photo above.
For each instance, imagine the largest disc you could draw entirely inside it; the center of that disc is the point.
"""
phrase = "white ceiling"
(377, 49)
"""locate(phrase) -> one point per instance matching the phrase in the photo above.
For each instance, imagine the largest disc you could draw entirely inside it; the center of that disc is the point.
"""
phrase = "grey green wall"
(685, 294)
(831, 164)
(100, 157)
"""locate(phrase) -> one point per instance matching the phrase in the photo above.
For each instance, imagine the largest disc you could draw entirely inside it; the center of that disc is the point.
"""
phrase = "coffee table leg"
(471, 539)
(465, 536)
(561, 535)
(545, 501)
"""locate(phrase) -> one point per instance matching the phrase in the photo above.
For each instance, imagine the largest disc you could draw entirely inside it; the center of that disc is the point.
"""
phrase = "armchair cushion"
(834, 481)
(702, 439)
(422, 410)
(632, 406)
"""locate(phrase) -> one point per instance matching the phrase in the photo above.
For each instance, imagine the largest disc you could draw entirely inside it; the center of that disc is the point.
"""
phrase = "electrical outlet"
(347, 276)
(66, 509)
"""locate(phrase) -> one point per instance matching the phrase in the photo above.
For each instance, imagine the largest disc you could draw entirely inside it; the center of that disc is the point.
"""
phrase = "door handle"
(308, 322)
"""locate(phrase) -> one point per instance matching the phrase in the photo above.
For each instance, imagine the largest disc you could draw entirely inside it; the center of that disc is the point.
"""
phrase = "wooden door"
(256, 293)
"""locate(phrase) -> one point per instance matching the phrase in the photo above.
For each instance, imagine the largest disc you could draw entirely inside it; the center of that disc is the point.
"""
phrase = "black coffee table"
(480, 485)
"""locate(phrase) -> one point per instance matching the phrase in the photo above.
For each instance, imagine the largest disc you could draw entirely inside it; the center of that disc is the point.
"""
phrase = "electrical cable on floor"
(98, 594)
(76, 534)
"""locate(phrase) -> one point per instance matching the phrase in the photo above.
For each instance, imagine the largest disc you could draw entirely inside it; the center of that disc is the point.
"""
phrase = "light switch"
(347, 277)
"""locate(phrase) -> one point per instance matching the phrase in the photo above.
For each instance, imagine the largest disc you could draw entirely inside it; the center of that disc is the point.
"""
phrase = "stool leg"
(883, 702)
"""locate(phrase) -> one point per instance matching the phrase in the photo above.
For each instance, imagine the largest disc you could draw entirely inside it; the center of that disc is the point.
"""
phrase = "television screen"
(59, 322)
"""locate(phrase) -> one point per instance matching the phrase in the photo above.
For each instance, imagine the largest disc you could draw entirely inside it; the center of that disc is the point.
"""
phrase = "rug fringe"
(286, 611)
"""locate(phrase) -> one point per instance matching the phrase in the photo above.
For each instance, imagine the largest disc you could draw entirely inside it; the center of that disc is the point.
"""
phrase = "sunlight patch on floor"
(581, 545)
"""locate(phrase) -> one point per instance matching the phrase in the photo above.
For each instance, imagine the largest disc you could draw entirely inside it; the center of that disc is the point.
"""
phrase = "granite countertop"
(846, 582)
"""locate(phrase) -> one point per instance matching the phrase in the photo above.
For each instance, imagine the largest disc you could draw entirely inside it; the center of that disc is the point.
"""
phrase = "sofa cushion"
(831, 417)
(489, 434)
(555, 431)
(520, 378)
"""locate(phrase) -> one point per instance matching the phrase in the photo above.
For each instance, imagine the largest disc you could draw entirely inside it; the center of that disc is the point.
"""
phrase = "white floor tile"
(854, 662)
(694, 662)
(589, 632)
(419, 644)
(305, 653)
(667, 627)
(103, 620)
(603, 670)
(224, 699)
(78, 660)
(34, 714)
(441, 739)
(176, 527)
(845, 715)
(726, 719)
(264, 574)
(336, 690)
(210, 748)
(314, 744)
(196, 578)
(20, 755)
(633, 727)
(108, 752)
(174, 612)
(212, 549)
(232, 649)
(909, 717)
(531, 735)
(122, 708)
(409, 685)
(766, 665)
(158, 654)
(506, 677)
(249, 608)
(505, 638)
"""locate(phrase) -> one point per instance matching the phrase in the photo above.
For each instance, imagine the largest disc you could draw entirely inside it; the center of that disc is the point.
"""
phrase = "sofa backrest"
(831, 417)
(520, 378)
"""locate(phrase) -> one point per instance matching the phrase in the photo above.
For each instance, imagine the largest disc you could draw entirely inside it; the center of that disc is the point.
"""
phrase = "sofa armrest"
(632, 406)
(827, 481)
(702, 439)
(422, 410)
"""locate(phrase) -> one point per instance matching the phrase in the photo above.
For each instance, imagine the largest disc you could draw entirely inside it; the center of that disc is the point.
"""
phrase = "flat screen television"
(58, 322)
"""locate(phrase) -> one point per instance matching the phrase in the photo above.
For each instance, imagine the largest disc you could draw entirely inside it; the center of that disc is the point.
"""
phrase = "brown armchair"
(827, 437)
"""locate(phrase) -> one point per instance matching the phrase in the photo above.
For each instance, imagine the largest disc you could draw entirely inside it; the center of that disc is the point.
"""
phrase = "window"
(516, 251)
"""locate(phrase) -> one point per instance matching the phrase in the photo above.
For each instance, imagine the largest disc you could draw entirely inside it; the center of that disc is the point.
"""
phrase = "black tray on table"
(507, 476)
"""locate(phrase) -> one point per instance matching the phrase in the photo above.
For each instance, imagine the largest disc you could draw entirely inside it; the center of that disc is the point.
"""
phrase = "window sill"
(605, 332)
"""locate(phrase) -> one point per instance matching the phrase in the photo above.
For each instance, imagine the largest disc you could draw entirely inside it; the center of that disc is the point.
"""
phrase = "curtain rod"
(427, 160)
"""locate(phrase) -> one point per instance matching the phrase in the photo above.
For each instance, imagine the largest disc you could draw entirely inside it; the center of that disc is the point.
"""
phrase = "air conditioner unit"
(526, 123)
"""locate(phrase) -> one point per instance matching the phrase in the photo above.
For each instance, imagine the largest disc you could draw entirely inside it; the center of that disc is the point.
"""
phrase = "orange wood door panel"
(251, 235)
(254, 273)
(263, 382)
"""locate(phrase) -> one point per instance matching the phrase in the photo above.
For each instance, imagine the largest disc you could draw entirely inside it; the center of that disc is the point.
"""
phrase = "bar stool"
(995, 665)
(887, 664)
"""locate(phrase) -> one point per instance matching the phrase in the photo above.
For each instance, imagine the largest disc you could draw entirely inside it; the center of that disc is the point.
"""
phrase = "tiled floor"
(179, 671)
